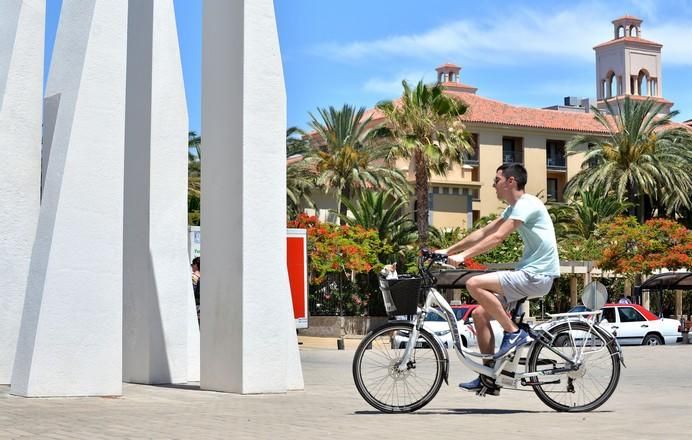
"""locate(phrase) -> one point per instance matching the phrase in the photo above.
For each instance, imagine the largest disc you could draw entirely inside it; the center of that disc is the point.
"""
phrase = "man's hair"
(195, 261)
(515, 170)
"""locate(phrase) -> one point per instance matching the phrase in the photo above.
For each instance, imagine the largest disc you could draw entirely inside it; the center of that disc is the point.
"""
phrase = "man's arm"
(473, 237)
(489, 241)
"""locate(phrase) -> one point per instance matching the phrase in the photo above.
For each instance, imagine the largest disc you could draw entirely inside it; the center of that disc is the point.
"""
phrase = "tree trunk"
(421, 198)
(343, 210)
(635, 198)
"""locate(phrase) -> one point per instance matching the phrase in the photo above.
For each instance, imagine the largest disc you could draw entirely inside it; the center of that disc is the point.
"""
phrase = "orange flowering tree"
(631, 248)
(340, 259)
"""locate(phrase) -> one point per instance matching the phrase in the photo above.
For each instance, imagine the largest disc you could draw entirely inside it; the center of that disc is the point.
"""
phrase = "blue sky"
(533, 53)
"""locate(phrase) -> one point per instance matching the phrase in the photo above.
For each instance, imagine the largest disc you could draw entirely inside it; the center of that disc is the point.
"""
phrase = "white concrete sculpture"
(160, 319)
(70, 340)
(21, 94)
(249, 343)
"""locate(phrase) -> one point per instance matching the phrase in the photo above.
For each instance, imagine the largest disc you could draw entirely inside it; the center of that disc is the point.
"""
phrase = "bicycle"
(572, 364)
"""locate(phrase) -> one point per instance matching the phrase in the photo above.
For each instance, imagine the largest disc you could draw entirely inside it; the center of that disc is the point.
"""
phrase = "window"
(592, 162)
(611, 85)
(630, 314)
(609, 315)
(473, 159)
(460, 312)
(552, 189)
(512, 150)
(643, 83)
(555, 154)
(435, 316)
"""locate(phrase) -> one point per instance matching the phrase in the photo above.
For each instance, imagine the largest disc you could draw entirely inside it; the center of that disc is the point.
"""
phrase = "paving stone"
(652, 401)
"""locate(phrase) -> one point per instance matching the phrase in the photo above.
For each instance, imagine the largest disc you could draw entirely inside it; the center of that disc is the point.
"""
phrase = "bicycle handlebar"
(433, 257)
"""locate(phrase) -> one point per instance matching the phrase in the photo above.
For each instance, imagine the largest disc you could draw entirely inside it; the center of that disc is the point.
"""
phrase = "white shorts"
(519, 284)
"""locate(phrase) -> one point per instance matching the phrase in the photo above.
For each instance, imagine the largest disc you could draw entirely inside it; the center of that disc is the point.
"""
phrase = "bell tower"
(628, 65)
(448, 77)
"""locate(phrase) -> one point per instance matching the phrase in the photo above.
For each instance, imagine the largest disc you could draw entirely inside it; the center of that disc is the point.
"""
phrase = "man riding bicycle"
(534, 273)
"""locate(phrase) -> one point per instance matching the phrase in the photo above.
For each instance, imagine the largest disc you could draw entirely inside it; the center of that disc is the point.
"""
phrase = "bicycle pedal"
(485, 391)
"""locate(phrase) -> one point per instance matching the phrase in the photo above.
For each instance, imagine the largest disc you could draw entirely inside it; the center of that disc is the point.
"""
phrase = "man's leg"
(484, 332)
(483, 288)
(486, 344)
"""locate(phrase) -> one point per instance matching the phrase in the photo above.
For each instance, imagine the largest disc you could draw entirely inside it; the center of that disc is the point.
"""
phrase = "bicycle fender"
(445, 354)
(606, 335)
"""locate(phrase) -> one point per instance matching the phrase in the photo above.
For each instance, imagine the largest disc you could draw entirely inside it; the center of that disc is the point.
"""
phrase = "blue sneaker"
(476, 385)
(511, 341)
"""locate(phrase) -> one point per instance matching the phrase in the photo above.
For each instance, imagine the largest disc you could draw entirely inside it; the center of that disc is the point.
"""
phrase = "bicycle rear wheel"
(385, 384)
(592, 383)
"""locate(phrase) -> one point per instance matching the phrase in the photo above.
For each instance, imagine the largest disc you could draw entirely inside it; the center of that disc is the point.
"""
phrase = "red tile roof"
(640, 98)
(627, 17)
(488, 111)
(629, 40)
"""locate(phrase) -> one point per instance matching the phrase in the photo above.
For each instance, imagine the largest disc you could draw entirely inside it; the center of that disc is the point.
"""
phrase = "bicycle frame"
(435, 300)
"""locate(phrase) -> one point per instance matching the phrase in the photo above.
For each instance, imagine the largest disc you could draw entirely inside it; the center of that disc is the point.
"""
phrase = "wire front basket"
(401, 296)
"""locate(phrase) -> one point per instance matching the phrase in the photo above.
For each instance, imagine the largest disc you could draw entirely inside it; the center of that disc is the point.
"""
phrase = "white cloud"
(676, 38)
(391, 86)
(519, 37)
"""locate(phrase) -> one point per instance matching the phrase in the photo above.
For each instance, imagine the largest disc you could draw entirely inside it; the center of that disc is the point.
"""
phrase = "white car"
(436, 324)
(632, 324)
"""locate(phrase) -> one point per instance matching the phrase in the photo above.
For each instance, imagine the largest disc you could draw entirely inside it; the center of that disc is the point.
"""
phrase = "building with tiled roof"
(626, 66)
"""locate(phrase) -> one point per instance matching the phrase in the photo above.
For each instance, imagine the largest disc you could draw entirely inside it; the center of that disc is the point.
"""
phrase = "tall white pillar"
(21, 94)
(157, 288)
(248, 333)
(70, 341)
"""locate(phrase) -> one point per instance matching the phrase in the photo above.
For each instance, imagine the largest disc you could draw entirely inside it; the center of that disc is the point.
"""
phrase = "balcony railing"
(513, 157)
(557, 163)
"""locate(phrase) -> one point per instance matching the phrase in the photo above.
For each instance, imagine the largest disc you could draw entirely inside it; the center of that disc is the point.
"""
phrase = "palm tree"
(639, 158)
(300, 171)
(580, 217)
(349, 159)
(194, 176)
(387, 215)
(297, 142)
(425, 128)
(441, 238)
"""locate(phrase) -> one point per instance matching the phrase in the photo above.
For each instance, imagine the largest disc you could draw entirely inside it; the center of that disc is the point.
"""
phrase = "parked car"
(463, 313)
(437, 324)
(632, 324)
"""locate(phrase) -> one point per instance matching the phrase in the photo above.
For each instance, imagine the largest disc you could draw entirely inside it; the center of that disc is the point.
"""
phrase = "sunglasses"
(496, 180)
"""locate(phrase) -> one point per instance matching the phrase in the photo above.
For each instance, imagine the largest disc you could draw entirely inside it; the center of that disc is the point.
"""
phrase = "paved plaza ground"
(653, 401)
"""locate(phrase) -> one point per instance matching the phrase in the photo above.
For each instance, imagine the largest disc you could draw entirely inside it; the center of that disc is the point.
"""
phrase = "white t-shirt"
(538, 234)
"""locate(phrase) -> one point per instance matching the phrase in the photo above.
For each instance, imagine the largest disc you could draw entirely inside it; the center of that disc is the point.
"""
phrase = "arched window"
(643, 83)
(621, 31)
(634, 31)
(611, 84)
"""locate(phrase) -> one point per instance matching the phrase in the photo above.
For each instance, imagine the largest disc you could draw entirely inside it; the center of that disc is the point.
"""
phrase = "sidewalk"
(314, 342)
(652, 401)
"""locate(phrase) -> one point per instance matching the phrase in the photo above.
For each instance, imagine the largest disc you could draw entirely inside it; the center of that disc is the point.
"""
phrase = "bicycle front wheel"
(386, 384)
(587, 385)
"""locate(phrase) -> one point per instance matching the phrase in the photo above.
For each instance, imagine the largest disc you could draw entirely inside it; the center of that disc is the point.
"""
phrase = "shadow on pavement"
(179, 386)
(461, 411)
